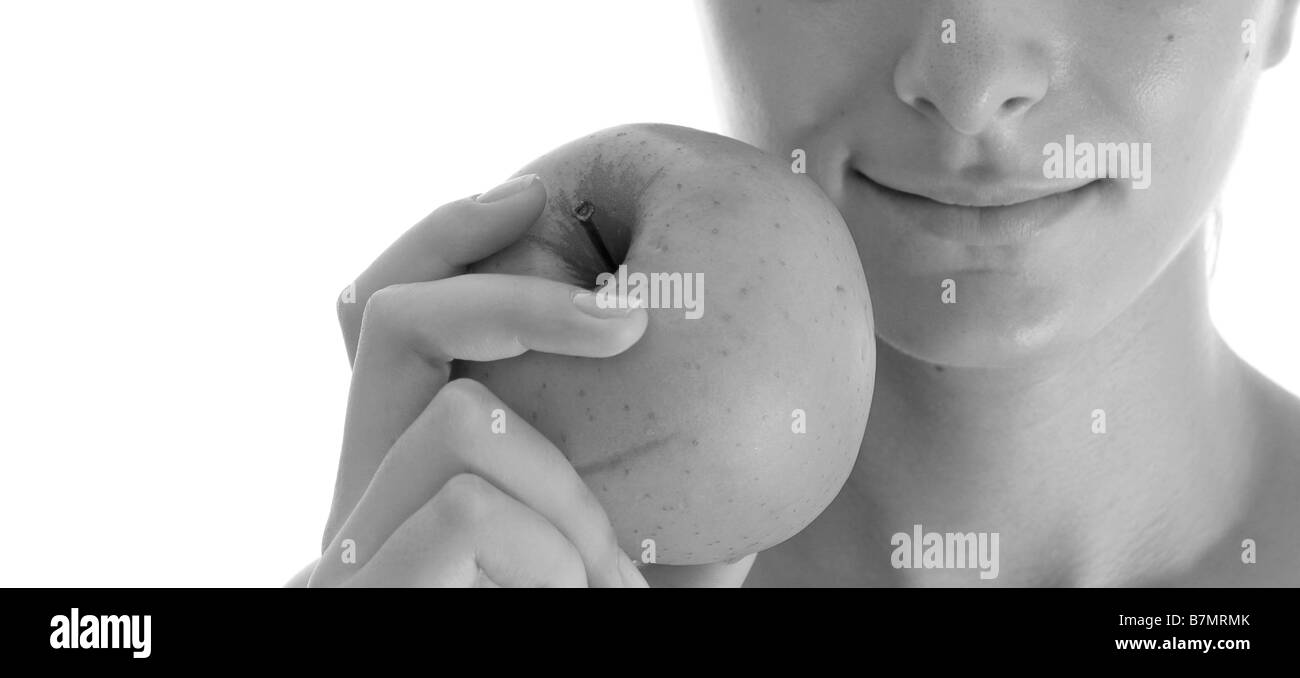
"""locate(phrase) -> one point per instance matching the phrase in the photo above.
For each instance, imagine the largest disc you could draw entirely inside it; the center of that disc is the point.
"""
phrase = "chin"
(971, 334)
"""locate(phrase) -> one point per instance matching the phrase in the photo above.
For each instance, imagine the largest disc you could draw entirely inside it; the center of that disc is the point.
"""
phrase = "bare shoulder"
(1264, 547)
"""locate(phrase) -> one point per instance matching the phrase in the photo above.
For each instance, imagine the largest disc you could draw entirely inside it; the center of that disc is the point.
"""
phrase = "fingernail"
(513, 187)
(601, 305)
(632, 577)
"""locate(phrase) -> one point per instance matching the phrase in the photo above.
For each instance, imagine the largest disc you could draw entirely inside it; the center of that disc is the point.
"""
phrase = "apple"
(732, 424)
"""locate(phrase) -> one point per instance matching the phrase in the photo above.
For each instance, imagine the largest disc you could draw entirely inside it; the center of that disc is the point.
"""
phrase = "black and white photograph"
(851, 294)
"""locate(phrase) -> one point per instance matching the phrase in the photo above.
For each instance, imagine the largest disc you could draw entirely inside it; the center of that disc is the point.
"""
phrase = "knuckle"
(380, 310)
(459, 400)
(455, 416)
(463, 501)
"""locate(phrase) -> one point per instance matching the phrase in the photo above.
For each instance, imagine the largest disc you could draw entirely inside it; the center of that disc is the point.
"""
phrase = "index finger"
(443, 243)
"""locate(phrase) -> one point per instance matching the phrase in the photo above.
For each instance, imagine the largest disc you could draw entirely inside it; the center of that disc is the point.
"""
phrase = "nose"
(973, 65)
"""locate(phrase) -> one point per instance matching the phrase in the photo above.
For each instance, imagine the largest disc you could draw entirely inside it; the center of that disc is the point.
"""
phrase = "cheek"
(784, 68)
(1191, 106)
(1180, 78)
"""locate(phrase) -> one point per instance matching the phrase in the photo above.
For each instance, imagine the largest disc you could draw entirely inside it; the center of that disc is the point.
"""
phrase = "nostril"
(925, 106)
(1016, 104)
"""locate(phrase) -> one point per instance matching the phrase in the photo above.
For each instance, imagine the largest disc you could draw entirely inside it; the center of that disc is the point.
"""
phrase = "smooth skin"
(983, 411)
(984, 408)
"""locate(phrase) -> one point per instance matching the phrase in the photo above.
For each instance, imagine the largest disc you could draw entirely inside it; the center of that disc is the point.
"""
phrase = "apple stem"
(583, 213)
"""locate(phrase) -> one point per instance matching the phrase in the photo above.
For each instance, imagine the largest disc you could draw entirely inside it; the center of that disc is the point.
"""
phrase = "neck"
(1092, 466)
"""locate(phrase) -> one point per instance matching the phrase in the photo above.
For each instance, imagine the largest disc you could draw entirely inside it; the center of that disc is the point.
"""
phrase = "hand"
(426, 493)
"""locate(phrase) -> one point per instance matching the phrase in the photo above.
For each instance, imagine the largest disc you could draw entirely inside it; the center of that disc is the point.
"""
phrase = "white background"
(186, 186)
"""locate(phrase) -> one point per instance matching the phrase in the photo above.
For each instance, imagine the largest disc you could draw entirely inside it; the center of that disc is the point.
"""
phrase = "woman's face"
(932, 124)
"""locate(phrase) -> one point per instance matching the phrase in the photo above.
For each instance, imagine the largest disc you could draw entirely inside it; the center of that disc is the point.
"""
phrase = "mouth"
(990, 216)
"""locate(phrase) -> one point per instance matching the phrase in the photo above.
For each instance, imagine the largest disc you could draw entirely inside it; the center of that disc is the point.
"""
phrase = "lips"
(992, 215)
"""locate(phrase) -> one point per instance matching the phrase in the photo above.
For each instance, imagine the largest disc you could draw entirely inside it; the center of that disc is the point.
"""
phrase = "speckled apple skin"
(687, 438)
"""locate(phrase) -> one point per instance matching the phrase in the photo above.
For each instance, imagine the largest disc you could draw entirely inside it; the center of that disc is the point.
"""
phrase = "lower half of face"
(993, 237)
